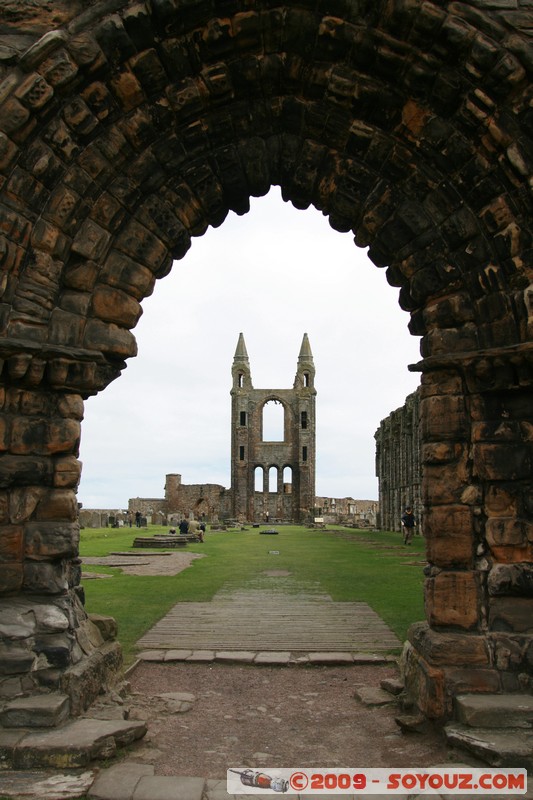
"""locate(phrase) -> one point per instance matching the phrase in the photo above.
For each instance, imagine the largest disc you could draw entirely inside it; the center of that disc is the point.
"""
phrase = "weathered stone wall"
(476, 453)
(149, 507)
(47, 640)
(347, 511)
(213, 503)
(197, 501)
(127, 128)
(209, 501)
(250, 451)
(272, 507)
(398, 465)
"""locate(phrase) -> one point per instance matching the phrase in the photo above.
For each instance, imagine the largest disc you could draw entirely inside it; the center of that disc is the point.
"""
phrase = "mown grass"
(355, 565)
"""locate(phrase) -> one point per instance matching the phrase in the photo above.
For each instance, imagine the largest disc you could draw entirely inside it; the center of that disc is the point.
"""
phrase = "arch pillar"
(47, 640)
(477, 451)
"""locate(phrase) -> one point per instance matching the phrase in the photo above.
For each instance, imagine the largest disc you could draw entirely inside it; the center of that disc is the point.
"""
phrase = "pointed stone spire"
(241, 353)
(241, 366)
(306, 355)
(305, 372)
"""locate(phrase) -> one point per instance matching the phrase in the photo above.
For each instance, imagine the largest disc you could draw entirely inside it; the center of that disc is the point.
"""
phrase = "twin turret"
(242, 377)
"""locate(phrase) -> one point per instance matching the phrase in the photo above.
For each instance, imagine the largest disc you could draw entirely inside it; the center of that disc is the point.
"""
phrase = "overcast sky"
(274, 274)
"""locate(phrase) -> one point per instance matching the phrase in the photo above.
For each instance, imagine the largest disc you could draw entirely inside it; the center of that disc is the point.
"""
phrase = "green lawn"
(354, 566)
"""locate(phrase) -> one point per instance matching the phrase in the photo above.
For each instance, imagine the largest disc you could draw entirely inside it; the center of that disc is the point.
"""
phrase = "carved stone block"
(67, 472)
(91, 241)
(13, 115)
(57, 504)
(25, 471)
(34, 92)
(11, 577)
(46, 540)
(511, 579)
(23, 501)
(127, 91)
(114, 305)
(511, 614)
(460, 680)
(447, 648)
(109, 338)
(497, 462)
(59, 68)
(43, 577)
(128, 275)
(424, 682)
(506, 531)
(15, 658)
(453, 599)
(450, 536)
(11, 543)
(443, 418)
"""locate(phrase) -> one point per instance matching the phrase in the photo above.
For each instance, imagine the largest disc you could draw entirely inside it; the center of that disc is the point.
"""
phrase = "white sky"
(274, 274)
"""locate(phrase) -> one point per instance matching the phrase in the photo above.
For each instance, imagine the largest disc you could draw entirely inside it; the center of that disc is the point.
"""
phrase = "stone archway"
(129, 127)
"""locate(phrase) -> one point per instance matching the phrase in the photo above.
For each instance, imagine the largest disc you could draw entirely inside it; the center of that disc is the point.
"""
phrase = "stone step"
(73, 745)
(130, 780)
(495, 710)
(36, 711)
(509, 747)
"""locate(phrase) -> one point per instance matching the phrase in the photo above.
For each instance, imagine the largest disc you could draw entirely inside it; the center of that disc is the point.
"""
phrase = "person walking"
(408, 525)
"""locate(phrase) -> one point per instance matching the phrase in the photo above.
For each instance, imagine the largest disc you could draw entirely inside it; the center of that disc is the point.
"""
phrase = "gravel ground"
(271, 717)
(259, 716)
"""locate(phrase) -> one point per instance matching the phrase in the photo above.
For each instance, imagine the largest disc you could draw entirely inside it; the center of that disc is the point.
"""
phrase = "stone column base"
(437, 666)
(88, 679)
(51, 644)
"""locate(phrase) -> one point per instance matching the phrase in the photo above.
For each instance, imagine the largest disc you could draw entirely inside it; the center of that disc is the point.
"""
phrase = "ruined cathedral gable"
(270, 480)
(273, 479)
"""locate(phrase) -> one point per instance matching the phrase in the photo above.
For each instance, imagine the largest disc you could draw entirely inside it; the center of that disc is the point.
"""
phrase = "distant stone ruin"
(253, 496)
(398, 467)
(127, 128)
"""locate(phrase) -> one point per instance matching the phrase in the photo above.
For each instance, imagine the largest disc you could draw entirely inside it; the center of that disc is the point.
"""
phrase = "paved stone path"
(273, 613)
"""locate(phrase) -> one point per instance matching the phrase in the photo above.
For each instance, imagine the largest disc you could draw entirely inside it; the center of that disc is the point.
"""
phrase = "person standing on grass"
(408, 525)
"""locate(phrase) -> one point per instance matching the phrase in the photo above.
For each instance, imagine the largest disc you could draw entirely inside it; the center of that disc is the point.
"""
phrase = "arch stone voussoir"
(128, 128)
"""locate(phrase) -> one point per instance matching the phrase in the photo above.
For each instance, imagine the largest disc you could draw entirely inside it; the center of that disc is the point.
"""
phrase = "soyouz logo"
(426, 780)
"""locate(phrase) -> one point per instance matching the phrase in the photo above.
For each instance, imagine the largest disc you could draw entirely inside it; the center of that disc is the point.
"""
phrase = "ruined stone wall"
(213, 502)
(150, 507)
(347, 511)
(398, 464)
(172, 492)
(207, 500)
(252, 453)
(272, 507)
(196, 501)
(128, 128)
